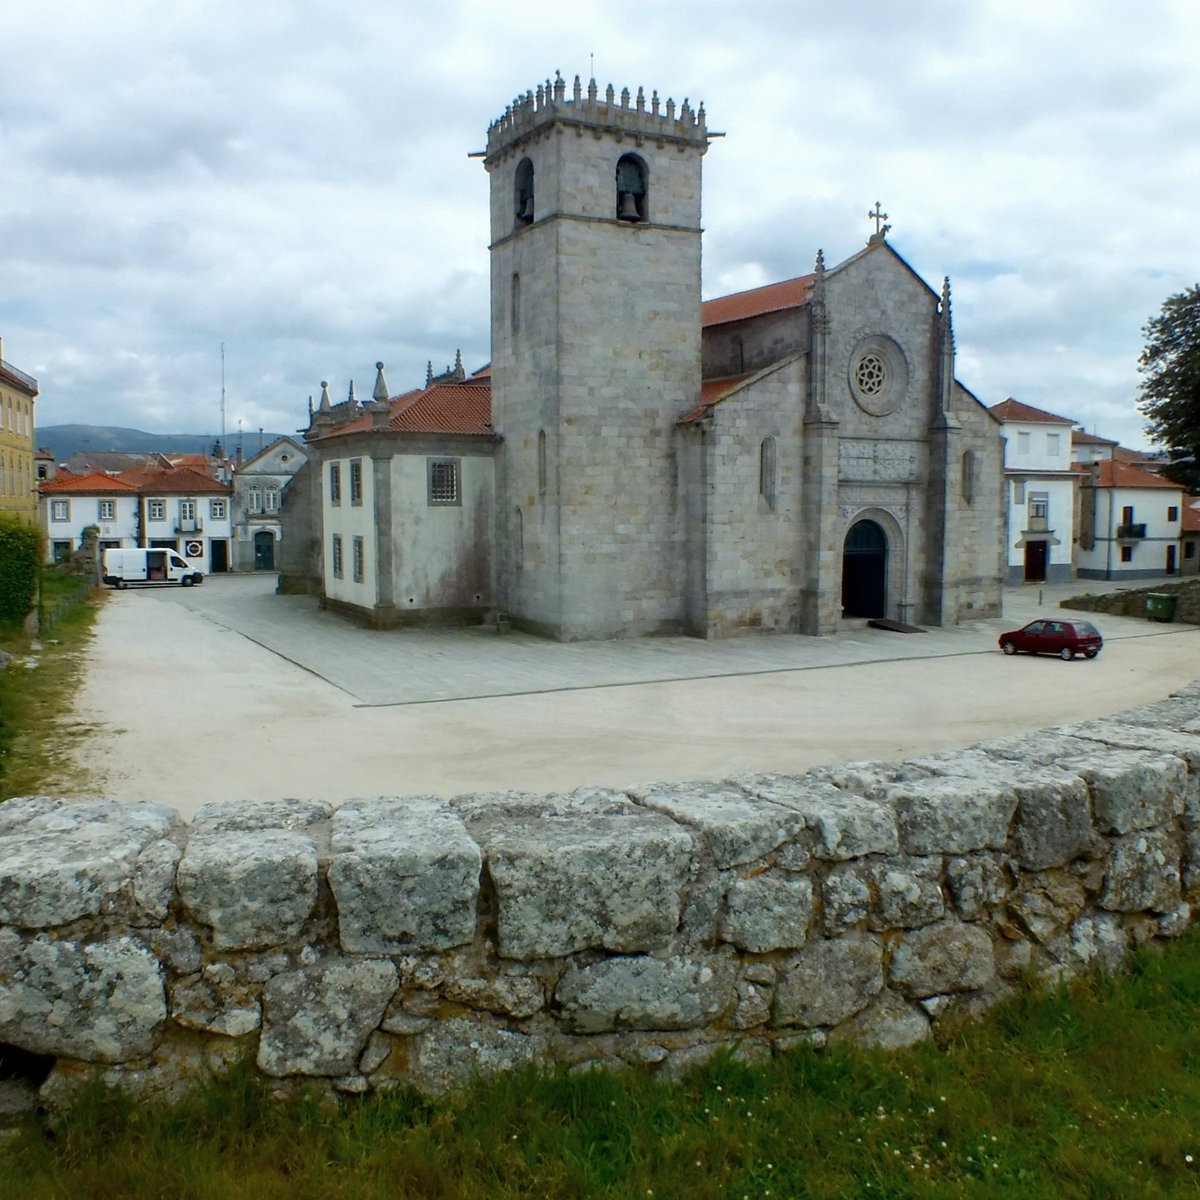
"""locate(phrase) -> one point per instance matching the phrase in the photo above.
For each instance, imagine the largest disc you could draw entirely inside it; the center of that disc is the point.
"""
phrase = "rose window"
(870, 375)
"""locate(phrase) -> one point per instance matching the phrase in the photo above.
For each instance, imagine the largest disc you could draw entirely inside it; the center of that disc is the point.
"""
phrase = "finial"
(577, 91)
(609, 95)
(700, 115)
(641, 99)
(670, 109)
(624, 97)
(560, 87)
(654, 102)
(879, 216)
(381, 390)
(819, 269)
(310, 408)
(541, 96)
(326, 404)
(350, 397)
(592, 89)
(458, 363)
(429, 373)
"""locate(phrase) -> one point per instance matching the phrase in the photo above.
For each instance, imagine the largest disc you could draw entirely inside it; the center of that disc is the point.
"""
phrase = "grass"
(37, 733)
(1092, 1091)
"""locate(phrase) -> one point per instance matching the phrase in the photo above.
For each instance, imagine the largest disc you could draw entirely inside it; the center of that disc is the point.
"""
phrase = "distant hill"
(64, 440)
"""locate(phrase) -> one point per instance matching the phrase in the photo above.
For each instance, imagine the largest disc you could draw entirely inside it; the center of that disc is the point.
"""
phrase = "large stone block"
(1133, 789)
(232, 816)
(646, 993)
(952, 815)
(767, 913)
(449, 1056)
(909, 893)
(98, 1001)
(737, 827)
(843, 825)
(564, 884)
(948, 957)
(253, 888)
(405, 875)
(830, 981)
(316, 1021)
(67, 861)
(1143, 874)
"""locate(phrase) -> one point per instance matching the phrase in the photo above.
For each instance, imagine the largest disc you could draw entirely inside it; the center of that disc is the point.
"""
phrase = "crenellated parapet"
(623, 115)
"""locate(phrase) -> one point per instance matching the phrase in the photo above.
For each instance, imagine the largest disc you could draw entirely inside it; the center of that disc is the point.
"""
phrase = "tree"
(1170, 393)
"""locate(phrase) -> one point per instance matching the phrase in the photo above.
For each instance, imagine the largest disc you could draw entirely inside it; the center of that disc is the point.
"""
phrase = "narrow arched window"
(523, 193)
(541, 462)
(631, 188)
(739, 355)
(518, 539)
(968, 476)
(766, 472)
(515, 304)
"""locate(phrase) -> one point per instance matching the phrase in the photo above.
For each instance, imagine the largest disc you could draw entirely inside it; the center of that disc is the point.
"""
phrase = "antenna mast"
(223, 451)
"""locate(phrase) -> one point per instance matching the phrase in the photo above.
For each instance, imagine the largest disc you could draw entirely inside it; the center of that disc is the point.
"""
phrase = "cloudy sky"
(290, 178)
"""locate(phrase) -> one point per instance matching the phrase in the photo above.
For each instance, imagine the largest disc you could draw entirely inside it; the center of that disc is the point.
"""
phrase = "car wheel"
(120, 583)
(187, 581)
(1066, 654)
(1008, 648)
(1090, 653)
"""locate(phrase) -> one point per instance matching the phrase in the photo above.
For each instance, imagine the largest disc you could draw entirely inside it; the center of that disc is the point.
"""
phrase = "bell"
(527, 211)
(628, 209)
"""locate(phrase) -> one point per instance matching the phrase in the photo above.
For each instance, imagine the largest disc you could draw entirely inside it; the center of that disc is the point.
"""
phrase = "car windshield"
(1085, 629)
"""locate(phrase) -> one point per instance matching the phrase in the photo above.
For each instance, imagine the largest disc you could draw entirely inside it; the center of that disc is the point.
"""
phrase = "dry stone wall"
(418, 941)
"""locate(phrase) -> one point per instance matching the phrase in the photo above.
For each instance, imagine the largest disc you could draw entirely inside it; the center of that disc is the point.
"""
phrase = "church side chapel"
(633, 461)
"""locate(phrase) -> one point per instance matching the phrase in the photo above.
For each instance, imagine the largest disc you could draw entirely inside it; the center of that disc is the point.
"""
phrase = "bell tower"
(595, 279)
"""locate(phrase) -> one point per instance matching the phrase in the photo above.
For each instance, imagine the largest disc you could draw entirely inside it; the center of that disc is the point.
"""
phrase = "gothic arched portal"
(864, 570)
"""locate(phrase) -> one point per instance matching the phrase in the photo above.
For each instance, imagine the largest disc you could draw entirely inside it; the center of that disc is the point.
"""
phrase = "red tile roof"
(1190, 518)
(442, 408)
(1080, 438)
(97, 481)
(712, 391)
(179, 481)
(1111, 473)
(1014, 410)
(773, 297)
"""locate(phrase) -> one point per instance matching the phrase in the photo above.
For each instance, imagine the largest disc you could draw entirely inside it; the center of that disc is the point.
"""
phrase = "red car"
(1064, 638)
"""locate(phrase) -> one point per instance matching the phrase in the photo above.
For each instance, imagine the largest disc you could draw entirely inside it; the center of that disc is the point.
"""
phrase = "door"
(218, 555)
(864, 571)
(264, 550)
(1035, 562)
(1170, 560)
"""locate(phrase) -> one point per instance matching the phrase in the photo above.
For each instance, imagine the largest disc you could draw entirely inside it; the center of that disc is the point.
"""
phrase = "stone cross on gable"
(878, 216)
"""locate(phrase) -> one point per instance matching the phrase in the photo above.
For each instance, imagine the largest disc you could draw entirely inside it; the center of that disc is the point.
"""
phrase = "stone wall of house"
(1131, 602)
(418, 941)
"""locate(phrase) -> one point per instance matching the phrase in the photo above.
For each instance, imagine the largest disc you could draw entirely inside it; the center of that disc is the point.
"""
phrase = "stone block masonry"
(419, 941)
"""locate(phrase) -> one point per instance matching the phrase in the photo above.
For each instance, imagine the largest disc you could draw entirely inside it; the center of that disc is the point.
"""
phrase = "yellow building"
(18, 480)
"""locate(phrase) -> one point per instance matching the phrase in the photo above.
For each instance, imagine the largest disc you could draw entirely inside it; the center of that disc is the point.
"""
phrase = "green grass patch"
(38, 735)
(1091, 1091)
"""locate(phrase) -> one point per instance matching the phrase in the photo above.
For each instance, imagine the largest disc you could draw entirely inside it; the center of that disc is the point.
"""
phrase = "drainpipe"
(1112, 533)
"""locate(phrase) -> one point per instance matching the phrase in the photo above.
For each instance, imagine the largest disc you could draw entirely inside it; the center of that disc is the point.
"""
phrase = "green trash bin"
(1160, 606)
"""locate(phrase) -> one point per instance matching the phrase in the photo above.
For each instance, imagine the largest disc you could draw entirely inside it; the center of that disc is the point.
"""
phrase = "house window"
(766, 472)
(1052, 445)
(60, 510)
(61, 552)
(108, 510)
(335, 484)
(631, 188)
(1039, 506)
(271, 499)
(541, 462)
(256, 501)
(359, 560)
(739, 355)
(523, 193)
(1127, 554)
(1172, 513)
(337, 556)
(356, 481)
(1022, 443)
(1189, 549)
(187, 512)
(1018, 491)
(443, 481)
(216, 510)
(1127, 515)
(156, 510)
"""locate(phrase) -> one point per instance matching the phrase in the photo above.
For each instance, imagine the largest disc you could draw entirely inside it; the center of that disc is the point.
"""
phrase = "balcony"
(190, 525)
(1130, 533)
(28, 380)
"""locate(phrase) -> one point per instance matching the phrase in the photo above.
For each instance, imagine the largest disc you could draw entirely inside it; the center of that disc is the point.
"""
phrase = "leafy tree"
(1170, 393)
(20, 557)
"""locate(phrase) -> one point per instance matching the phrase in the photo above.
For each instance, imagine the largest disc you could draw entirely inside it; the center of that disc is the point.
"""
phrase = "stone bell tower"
(595, 260)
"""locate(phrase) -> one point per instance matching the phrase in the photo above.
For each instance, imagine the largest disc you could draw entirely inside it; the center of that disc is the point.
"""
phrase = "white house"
(72, 504)
(1130, 522)
(1039, 493)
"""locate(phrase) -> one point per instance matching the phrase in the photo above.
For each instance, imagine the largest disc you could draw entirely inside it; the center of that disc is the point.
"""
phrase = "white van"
(143, 565)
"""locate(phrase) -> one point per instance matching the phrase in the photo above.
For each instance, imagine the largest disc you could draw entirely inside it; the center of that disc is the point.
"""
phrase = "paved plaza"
(229, 692)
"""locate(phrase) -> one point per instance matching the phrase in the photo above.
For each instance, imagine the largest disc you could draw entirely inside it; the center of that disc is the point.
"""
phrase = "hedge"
(20, 559)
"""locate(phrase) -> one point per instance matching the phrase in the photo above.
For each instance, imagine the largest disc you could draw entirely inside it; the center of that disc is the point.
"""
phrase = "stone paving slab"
(414, 666)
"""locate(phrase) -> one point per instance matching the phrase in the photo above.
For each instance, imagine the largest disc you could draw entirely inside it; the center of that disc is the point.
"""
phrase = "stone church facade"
(647, 463)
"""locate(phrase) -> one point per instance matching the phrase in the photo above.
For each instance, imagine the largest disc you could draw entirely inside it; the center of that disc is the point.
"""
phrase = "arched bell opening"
(523, 193)
(631, 189)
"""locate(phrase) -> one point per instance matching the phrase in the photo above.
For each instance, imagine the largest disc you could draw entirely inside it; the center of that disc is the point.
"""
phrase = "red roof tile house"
(635, 462)
(157, 505)
(1130, 522)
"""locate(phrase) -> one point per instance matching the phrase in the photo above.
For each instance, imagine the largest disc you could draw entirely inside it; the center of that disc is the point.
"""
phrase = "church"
(635, 461)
